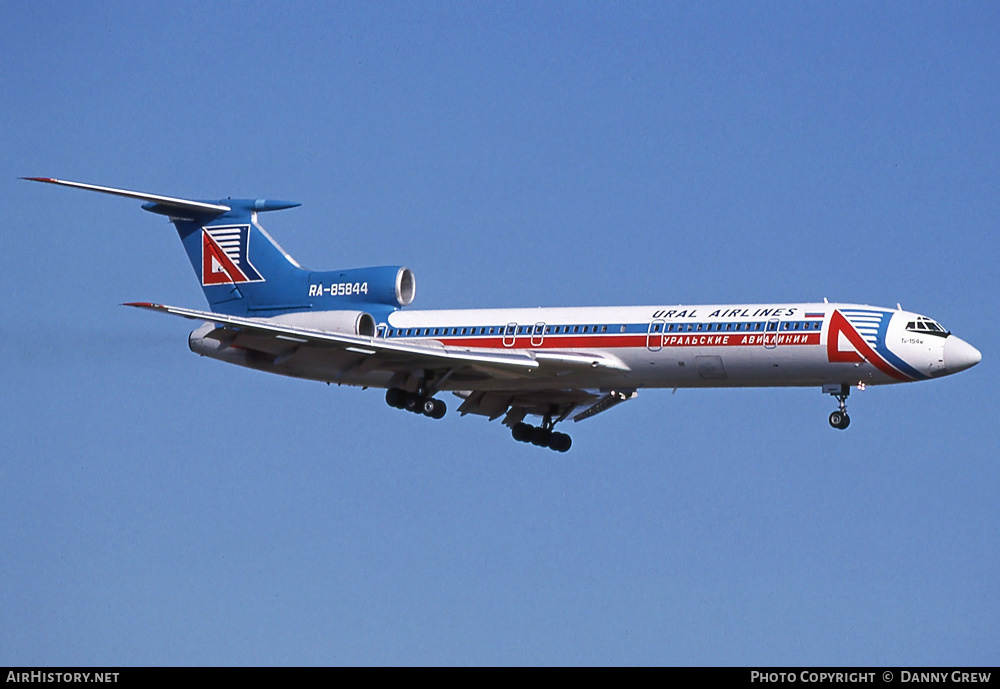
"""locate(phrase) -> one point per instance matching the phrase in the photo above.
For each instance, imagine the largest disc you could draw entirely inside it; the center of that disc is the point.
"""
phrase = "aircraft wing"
(378, 353)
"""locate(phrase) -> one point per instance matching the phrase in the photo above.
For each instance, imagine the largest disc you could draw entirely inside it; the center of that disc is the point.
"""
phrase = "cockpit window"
(926, 325)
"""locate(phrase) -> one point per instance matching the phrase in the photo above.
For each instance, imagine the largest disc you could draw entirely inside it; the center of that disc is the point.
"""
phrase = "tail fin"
(242, 270)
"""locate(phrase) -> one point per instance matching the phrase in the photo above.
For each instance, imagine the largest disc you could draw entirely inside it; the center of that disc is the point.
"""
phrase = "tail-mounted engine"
(393, 286)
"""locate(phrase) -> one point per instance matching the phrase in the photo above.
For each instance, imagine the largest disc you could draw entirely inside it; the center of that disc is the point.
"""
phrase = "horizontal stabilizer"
(162, 201)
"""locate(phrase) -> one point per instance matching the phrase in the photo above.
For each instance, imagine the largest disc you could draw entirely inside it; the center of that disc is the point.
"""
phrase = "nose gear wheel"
(839, 419)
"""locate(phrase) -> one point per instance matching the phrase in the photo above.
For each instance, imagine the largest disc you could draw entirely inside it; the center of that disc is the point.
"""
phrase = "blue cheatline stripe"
(901, 365)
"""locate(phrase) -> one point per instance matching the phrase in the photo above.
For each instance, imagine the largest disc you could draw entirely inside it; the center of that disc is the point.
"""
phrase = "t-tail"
(244, 272)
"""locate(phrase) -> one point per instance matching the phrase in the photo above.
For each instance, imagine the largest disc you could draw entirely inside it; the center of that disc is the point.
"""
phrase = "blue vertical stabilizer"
(242, 270)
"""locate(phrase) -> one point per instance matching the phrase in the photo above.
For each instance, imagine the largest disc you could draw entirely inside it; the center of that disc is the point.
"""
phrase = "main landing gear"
(542, 436)
(418, 404)
(839, 419)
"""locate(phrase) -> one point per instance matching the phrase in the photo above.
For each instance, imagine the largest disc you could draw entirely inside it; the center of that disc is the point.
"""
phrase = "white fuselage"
(725, 345)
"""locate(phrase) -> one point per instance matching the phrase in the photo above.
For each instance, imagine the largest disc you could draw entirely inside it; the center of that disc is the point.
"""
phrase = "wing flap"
(612, 399)
(556, 403)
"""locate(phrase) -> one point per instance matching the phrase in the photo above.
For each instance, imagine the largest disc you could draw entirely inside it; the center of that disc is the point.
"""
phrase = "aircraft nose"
(959, 355)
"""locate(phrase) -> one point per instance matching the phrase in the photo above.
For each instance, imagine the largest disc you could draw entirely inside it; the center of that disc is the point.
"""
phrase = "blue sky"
(159, 508)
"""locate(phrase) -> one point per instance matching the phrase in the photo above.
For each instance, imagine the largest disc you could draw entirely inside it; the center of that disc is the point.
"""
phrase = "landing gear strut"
(542, 436)
(416, 403)
(840, 419)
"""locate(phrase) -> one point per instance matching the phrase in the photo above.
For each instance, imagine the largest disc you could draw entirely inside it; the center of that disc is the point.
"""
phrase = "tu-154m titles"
(348, 326)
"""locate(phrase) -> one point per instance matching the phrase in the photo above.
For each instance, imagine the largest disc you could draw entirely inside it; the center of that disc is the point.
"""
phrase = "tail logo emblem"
(225, 256)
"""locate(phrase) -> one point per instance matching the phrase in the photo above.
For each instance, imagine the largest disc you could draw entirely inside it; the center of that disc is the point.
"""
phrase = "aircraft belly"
(790, 366)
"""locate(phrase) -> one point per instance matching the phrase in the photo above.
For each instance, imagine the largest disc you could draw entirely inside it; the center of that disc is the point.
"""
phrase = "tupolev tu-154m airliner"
(348, 327)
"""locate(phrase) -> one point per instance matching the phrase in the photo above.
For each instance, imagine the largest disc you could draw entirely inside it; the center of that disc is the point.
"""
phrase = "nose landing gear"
(839, 419)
